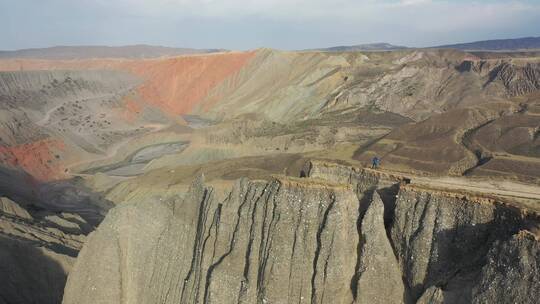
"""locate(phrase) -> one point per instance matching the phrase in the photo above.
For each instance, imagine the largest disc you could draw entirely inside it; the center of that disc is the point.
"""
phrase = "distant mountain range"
(363, 47)
(526, 43)
(149, 51)
(85, 52)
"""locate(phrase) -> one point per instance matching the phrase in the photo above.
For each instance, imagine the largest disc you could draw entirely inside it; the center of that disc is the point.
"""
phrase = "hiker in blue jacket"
(375, 162)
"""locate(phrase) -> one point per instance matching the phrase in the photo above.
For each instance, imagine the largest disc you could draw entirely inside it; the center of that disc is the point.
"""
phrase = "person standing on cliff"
(375, 162)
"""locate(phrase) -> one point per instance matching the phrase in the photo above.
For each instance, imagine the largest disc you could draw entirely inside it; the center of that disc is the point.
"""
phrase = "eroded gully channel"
(134, 164)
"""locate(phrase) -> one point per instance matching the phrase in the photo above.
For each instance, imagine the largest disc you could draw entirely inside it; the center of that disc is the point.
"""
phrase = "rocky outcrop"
(359, 236)
(512, 272)
(517, 78)
(35, 254)
(366, 182)
(281, 241)
(336, 173)
(443, 240)
(379, 277)
(432, 295)
(30, 273)
(11, 208)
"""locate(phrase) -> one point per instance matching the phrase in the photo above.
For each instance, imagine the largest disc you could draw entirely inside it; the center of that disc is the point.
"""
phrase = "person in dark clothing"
(375, 162)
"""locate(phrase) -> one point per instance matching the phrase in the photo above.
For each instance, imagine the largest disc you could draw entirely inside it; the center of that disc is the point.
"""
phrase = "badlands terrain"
(244, 177)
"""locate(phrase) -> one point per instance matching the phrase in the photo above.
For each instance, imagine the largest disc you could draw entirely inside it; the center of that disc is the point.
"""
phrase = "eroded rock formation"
(340, 235)
(36, 253)
(443, 241)
(511, 274)
(281, 241)
(379, 278)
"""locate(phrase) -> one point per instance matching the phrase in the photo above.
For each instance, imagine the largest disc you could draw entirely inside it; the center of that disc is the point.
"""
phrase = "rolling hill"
(526, 43)
(86, 52)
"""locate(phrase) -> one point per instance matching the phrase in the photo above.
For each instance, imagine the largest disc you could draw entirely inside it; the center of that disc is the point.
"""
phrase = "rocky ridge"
(37, 251)
(338, 235)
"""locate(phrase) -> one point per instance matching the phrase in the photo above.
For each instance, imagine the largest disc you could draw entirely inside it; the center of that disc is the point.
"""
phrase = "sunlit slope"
(52, 118)
(172, 84)
(496, 139)
(57, 114)
(295, 85)
(287, 86)
(74, 111)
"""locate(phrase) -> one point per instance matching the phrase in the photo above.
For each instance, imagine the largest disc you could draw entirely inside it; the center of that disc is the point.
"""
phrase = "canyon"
(244, 177)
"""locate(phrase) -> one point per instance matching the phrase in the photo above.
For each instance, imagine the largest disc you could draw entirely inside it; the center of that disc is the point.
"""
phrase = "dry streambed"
(135, 163)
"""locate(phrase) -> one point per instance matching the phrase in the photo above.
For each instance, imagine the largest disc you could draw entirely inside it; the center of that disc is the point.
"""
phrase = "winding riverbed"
(134, 164)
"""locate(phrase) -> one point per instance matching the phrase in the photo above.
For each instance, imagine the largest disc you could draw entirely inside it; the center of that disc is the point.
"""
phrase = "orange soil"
(175, 85)
(179, 84)
(132, 109)
(37, 158)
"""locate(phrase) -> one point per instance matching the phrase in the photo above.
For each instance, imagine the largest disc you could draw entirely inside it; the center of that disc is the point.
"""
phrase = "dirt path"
(500, 187)
(519, 194)
(45, 119)
(112, 151)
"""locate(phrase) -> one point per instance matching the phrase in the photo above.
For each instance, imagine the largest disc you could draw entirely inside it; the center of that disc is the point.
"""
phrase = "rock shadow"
(28, 275)
(458, 255)
(45, 198)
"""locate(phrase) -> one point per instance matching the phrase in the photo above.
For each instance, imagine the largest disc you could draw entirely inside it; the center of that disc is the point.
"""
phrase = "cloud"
(413, 2)
(241, 24)
(428, 13)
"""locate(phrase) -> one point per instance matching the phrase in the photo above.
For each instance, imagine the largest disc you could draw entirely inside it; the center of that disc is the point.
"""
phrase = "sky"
(249, 24)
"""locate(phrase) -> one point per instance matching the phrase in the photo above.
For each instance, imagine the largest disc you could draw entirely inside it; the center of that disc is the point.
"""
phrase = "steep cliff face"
(443, 241)
(450, 247)
(366, 183)
(515, 76)
(511, 274)
(359, 236)
(379, 277)
(266, 242)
